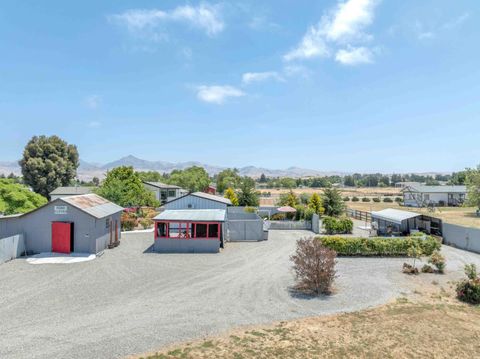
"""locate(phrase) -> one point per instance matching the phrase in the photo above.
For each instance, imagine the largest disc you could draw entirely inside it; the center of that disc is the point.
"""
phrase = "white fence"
(285, 225)
(11, 248)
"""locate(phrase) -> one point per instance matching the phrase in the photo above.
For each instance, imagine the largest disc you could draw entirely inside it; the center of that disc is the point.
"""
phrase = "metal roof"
(436, 189)
(10, 216)
(394, 215)
(93, 204)
(71, 190)
(194, 215)
(212, 197)
(162, 185)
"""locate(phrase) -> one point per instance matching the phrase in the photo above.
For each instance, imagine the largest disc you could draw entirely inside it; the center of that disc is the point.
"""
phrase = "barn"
(198, 200)
(84, 224)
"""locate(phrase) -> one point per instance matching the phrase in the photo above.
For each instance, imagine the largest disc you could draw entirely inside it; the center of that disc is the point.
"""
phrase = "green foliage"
(288, 199)
(376, 199)
(228, 178)
(469, 290)
(247, 195)
(48, 163)
(397, 199)
(365, 199)
(437, 260)
(124, 187)
(193, 179)
(472, 181)
(333, 202)
(388, 200)
(128, 221)
(332, 225)
(16, 198)
(150, 176)
(230, 194)
(355, 199)
(316, 204)
(346, 199)
(379, 246)
(250, 210)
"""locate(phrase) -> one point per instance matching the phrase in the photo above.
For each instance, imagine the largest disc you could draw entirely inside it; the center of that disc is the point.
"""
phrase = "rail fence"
(360, 215)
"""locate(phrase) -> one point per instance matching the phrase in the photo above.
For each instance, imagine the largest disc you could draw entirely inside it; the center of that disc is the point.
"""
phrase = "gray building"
(84, 224)
(424, 196)
(198, 200)
(164, 192)
(397, 222)
(61, 192)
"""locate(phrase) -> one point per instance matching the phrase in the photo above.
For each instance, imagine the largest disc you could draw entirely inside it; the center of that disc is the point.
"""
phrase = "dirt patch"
(428, 323)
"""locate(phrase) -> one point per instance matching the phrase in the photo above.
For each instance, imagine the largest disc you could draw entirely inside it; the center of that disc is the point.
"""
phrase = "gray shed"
(198, 200)
(84, 224)
(61, 192)
(395, 221)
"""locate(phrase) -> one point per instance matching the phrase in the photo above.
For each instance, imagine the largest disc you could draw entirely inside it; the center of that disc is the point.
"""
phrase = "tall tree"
(124, 187)
(150, 176)
(16, 198)
(333, 202)
(227, 178)
(47, 163)
(247, 195)
(230, 194)
(472, 180)
(194, 178)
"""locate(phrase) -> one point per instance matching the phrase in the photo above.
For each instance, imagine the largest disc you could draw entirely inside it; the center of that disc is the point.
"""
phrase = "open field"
(425, 320)
(464, 216)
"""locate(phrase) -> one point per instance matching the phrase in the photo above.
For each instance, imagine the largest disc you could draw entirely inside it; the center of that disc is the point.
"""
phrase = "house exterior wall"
(436, 198)
(157, 192)
(165, 245)
(194, 202)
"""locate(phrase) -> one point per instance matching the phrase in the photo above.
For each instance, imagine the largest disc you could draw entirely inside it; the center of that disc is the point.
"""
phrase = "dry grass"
(435, 328)
(464, 216)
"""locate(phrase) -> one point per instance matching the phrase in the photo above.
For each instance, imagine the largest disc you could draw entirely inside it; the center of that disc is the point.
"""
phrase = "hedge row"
(379, 246)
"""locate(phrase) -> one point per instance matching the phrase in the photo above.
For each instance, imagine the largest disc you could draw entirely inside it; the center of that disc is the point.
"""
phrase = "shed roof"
(394, 215)
(436, 189)
(71, 190)
(93, 204)
(194, 215)
(161, 185)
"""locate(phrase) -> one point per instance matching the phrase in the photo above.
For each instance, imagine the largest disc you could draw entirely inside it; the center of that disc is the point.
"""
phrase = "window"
(171, 193)
(201, 230)
(187, 230)
(426, 197)
(213, 230)
(161, 229)
(107, 223)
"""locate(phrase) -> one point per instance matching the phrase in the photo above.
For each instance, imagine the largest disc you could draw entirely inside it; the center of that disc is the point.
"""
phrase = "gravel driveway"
(131, 301)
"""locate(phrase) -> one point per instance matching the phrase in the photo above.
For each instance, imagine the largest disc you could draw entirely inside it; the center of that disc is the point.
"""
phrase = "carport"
(397, 222)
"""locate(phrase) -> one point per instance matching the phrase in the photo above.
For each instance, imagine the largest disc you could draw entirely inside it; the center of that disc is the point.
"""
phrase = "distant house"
(198, 200)
(62, 192)
(164, 192)
(211, 189)
(422, 196)
(407, 184)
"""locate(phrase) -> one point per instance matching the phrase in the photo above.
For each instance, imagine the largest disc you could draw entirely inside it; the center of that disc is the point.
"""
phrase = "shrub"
(308, 214)
(332, 225)
(468, 290)
(145, 223)
(378, 246)
(376, 199)
(355, 199)
(278, 217)
(398, 199)
(250, 209)
(346, 199)
(314, 266)
(128, 221)
(409, 269)
(437, 260)
(365, 199)
(387, 200)
(427, 269)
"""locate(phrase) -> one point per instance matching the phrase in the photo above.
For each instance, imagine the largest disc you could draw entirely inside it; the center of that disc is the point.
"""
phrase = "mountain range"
(87, 170)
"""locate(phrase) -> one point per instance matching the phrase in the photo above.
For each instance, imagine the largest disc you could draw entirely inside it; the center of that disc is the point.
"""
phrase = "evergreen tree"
(333, 202)
(315, 203)
(230, 194)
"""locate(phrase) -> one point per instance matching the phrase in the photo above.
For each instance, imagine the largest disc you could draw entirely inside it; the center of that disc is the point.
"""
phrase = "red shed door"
(61, 233)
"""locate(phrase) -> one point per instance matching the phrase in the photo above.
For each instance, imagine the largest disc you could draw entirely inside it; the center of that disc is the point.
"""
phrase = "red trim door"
(61, 232)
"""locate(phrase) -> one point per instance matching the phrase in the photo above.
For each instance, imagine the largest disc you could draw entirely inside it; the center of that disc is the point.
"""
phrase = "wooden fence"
(360, 215)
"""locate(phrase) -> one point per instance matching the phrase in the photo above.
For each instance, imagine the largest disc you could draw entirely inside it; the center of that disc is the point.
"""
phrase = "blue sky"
(358, 85)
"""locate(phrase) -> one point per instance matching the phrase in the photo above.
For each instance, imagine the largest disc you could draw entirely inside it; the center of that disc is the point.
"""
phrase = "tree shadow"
(302, 294)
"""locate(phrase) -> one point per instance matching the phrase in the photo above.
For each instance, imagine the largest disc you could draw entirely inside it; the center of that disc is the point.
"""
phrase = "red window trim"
(187, 223)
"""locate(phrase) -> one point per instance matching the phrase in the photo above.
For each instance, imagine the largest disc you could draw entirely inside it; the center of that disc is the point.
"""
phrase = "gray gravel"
(131, 301)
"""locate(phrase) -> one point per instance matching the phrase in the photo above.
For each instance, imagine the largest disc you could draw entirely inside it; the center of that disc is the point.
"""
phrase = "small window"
(171, 193)
(213, 231)
(107, 223)
(190, 206)
(201, 230)
(162, 229)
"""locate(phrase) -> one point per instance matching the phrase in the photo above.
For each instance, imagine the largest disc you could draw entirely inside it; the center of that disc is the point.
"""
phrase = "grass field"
(435, 326)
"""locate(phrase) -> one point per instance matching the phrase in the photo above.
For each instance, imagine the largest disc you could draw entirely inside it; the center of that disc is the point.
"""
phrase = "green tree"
(16, 198)
(247, 195)
(472, 180)
(124, 187)
(288, 199)
(227, 178)
(95, 181)
(193, 179)
(333, 202)
(230, 194)
(150, 176)
(48, 163)
(315, 203)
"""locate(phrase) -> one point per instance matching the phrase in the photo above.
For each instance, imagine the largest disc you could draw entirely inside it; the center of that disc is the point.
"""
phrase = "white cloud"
(354, 56)
(94, 124)
(93, 101)
(457, 21)
(426, 35)
(217, 94)
(249, 77)
(204, 16)
(296, 71)
(346, 23)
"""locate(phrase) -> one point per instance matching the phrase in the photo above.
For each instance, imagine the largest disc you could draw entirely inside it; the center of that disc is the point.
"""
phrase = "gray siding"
(461, 237)
(11, 248)
(193, 202)
(162, 245)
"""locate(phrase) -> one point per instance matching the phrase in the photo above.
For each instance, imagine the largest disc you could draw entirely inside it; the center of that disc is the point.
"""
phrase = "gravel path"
(131, 301)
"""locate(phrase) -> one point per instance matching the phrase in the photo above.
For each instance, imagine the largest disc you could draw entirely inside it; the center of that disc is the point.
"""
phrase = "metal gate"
(245, 230)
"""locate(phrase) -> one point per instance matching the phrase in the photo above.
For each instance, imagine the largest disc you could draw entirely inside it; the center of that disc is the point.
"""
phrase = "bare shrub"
(314, 266)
